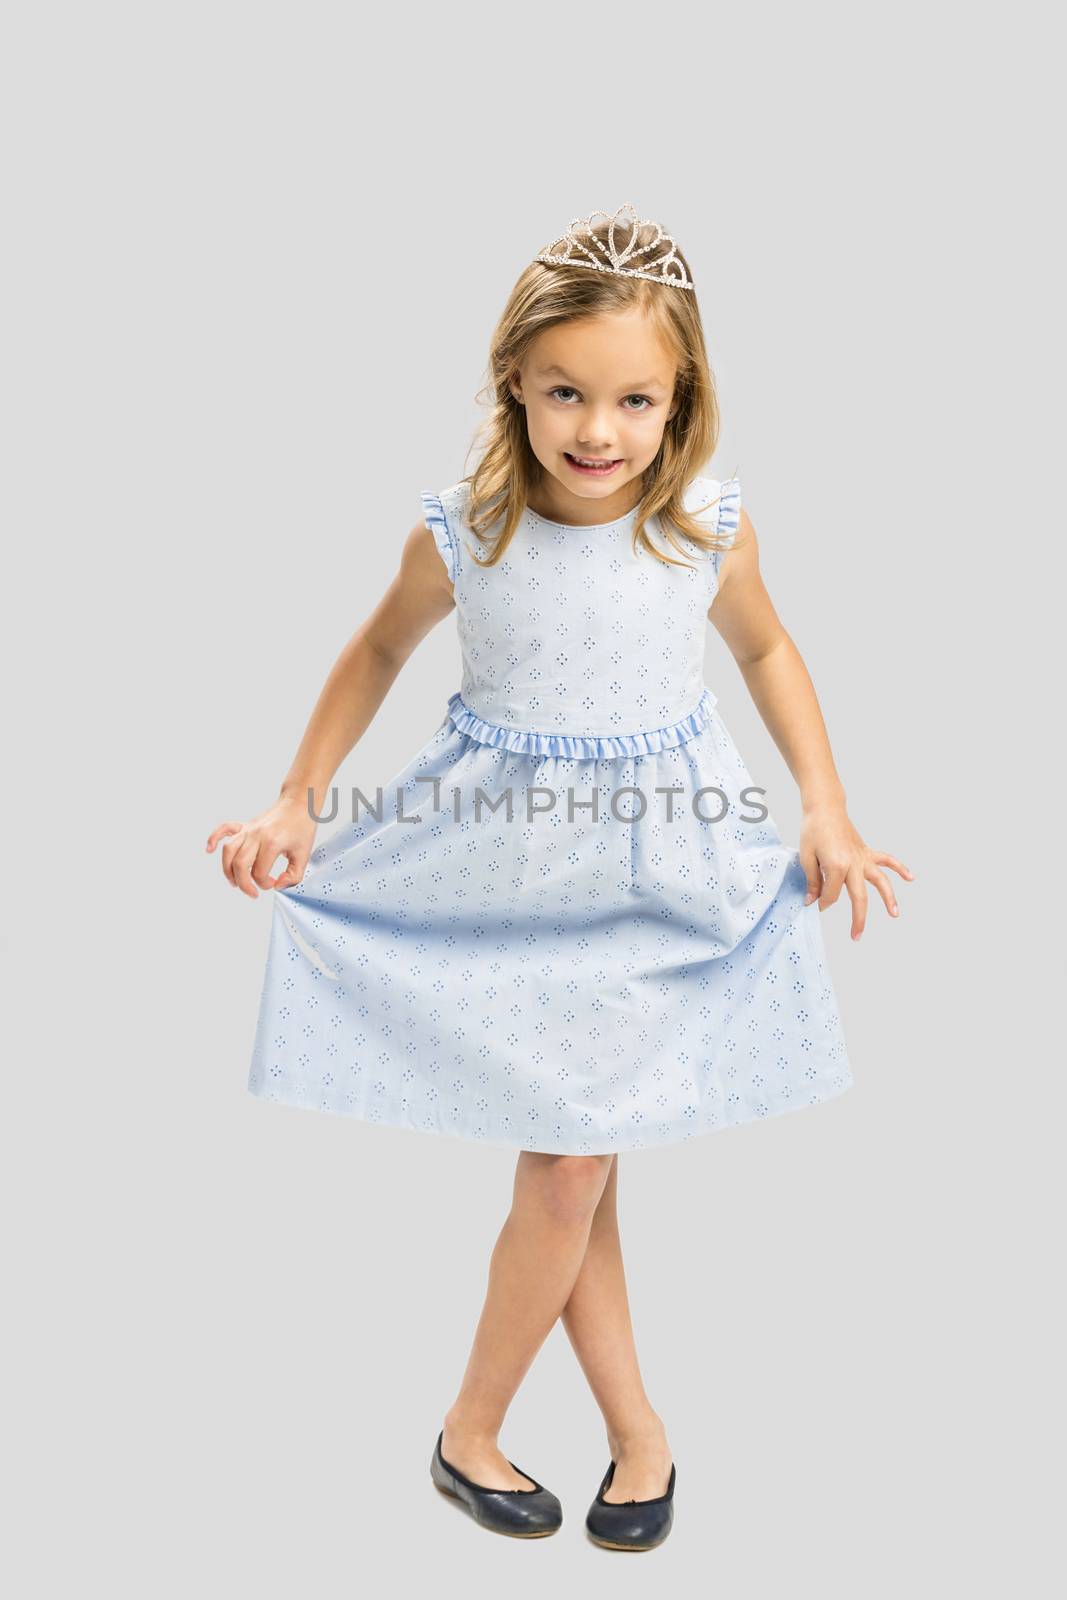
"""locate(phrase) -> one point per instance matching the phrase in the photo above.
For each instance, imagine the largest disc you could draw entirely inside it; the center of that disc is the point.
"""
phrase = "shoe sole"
(538, 1533)
(609, 1544)
(613, 1544)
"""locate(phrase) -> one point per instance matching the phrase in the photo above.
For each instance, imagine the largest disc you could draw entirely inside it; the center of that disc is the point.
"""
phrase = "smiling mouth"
(593, 463)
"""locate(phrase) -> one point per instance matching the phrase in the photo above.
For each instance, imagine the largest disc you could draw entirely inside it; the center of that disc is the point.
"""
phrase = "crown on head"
(581, 248)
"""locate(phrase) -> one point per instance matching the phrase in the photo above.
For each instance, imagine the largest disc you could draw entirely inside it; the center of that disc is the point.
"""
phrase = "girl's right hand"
(286, 829)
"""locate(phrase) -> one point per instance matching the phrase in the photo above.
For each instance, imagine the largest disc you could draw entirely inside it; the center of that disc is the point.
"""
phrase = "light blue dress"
(625, 960)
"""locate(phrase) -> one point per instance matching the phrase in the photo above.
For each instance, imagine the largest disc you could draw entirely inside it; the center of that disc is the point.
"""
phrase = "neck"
(552, 501)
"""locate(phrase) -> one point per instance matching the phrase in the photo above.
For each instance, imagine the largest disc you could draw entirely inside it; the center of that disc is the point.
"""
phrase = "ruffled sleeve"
(728, 514)
(437, 521)
(729, 507)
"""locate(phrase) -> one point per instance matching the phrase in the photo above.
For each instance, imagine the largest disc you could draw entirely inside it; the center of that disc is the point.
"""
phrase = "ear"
(515, 385)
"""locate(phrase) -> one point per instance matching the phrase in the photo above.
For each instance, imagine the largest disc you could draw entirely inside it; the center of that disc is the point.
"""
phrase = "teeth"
(583, 462)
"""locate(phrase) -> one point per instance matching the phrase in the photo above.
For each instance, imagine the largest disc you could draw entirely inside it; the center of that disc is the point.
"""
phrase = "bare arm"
(831, 849)
(773, 670)
(418, 597)
(361, 677)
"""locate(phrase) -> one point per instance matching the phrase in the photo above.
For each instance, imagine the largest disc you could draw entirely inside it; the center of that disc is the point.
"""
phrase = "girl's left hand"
(833, 854)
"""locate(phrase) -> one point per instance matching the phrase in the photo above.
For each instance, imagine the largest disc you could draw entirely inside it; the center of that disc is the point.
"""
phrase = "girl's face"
(598, 389)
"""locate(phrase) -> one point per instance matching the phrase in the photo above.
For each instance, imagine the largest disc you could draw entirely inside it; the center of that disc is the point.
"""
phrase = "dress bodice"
(575, 644)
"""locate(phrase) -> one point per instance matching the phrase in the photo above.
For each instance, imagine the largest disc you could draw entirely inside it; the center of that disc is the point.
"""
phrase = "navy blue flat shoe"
(630, 1524)
(523, 1513)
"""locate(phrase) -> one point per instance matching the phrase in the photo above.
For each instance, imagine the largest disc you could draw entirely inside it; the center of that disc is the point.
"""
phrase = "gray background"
(254, 255)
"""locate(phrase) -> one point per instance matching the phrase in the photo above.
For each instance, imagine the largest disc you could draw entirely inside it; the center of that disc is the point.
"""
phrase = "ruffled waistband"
(581, 746)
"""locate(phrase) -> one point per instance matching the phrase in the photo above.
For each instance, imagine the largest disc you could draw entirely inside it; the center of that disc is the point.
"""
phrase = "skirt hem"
(650, 1137)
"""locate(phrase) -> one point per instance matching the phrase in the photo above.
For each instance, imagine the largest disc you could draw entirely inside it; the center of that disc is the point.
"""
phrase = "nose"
(594, 432)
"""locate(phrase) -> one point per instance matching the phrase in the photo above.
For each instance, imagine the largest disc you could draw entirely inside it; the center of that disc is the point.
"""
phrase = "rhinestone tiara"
(581, 248)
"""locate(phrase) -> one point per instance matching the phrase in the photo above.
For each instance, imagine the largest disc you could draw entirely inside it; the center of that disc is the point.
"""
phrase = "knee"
(569, 1187)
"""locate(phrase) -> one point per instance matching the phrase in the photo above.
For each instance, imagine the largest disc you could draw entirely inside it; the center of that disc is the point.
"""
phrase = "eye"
(646, 402)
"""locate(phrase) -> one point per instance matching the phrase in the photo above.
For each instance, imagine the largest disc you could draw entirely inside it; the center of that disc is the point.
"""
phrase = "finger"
(242, 864)
(267, 854)
(229, 851)
(857, 890)
(221, 832)
(296, 864)
(812, 871)
(885, 889)
(833, 878)
(884, 860)
(292, 874)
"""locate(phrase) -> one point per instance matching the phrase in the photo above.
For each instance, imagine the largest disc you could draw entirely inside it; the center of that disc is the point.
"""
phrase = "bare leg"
(597, 1320)
(532, 1272)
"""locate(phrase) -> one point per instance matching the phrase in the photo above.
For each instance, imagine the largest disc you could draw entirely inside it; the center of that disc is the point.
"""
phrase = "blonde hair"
(545, 296)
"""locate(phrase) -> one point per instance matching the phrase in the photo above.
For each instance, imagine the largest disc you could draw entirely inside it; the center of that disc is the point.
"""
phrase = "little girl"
(569, 926)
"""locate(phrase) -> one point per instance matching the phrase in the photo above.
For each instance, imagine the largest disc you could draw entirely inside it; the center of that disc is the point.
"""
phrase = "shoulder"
(422, 558)
(449, 506)
(716, 502)
(456, 499)
(737, 568)
(444, 514)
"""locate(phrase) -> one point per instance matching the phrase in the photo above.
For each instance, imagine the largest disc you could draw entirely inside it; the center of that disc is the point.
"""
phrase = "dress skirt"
(521, 950)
